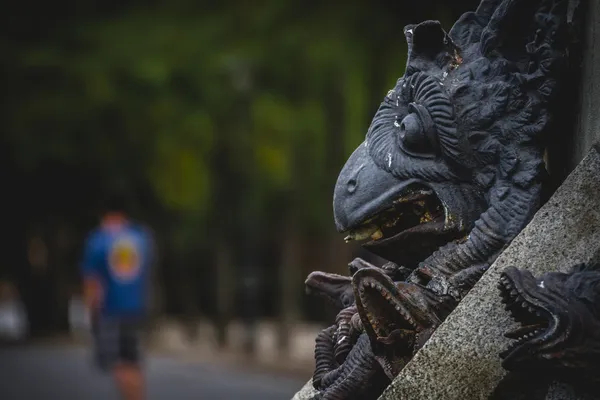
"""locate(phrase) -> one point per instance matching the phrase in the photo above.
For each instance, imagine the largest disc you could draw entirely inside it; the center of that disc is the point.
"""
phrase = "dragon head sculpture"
(453, 152)
(451, 168)
(559, 314)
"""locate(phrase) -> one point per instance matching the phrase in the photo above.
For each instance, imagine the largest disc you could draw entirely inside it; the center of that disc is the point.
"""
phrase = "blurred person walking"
(116, 283)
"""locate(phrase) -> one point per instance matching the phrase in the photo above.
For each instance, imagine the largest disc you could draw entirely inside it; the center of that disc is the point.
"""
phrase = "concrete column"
(588, 131)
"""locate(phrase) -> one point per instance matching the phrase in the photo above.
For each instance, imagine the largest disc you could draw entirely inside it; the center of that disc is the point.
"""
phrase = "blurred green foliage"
(210, 108)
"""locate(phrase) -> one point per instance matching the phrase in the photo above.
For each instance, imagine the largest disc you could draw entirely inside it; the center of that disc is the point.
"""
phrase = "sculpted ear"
(429, 47)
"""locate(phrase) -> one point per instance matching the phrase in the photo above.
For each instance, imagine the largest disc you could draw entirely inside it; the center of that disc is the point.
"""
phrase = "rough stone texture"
(461, 360)
(588, 131)
(306, 393)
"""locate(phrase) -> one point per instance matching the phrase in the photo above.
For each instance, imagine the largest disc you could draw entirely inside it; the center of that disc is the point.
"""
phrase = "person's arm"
(92, 285)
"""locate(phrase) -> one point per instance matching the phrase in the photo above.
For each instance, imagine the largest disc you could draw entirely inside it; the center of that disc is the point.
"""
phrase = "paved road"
(50, 373)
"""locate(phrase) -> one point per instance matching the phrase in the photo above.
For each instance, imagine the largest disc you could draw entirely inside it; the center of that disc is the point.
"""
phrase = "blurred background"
(228, 122)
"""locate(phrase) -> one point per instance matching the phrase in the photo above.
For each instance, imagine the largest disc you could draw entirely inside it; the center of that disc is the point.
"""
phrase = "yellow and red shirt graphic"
(124, 259)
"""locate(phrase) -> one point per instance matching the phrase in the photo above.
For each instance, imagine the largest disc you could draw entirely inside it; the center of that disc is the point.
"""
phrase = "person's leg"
(130, 380)
(105, 342)
(127, 370)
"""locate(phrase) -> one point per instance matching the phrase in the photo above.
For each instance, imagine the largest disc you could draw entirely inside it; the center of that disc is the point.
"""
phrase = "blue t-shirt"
(121, 259)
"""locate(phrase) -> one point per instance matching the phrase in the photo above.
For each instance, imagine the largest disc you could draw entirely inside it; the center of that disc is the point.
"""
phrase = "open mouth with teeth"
(537, 323)
(417, 219)
(386, 320)
(416, 207)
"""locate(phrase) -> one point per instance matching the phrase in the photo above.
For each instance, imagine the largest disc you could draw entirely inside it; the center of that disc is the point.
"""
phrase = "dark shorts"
(116, 341)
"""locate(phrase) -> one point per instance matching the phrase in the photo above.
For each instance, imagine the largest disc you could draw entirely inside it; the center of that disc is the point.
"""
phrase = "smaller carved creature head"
(394, 316)
(559, 315)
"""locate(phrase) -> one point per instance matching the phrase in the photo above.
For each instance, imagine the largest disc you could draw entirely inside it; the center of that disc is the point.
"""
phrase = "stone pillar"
(588, 131)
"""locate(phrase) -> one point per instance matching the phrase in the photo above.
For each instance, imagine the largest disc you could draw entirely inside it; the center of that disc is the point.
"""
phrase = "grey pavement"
(66, 373)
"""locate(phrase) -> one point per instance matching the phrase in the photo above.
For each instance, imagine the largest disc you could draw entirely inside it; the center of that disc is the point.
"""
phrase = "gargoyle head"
(397, 319)
(456, 140)
(560, 318)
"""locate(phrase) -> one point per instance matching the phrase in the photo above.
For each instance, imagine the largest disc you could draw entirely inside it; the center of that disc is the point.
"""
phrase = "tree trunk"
(225, 290)
(290, 282)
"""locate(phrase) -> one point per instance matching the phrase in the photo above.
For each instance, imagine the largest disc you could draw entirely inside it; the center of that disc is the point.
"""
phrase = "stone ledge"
(306, 393)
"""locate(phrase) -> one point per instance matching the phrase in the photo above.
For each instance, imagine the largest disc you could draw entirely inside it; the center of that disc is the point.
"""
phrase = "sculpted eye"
(416, 132)
(411, 131)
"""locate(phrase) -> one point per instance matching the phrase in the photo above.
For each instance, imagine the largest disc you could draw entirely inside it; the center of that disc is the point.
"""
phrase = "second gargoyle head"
(398, 317)
(559, 314)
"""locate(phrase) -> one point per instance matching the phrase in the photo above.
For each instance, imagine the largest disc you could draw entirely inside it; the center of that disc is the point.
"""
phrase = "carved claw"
(355, 376)
(345, 335)
(324, 356)
(356, 323)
